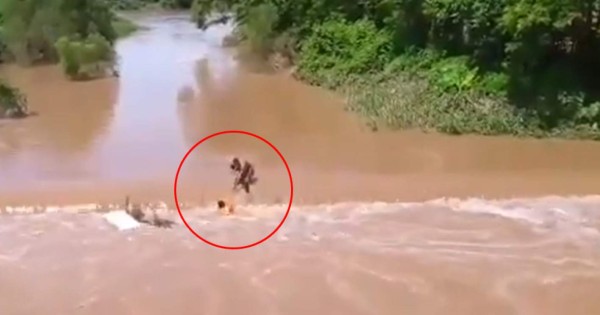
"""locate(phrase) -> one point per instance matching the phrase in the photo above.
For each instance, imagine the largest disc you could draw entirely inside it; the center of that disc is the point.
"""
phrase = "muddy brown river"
(382, 223)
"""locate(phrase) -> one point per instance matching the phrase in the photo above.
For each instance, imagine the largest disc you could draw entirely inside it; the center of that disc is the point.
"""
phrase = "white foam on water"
(14, 255)
(480, 206)
(574, 217)
(282, 237)
(121, 220)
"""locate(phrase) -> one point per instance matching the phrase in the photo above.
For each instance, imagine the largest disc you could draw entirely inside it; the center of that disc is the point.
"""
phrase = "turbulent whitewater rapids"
(536, 256)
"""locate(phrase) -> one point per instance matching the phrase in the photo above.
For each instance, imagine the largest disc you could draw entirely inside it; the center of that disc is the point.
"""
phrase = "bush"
(452, 74)
(68, 57)
(125, 5)
(124, 27)
(13, 103)
(413, 62)
(406, 102)
(426, 90)
(494, 84)
(176, 4)
(339, 48)
(3, 48)
(258, 30)
(85, 59)
(448, 74)
(30, 29)
(286, 44)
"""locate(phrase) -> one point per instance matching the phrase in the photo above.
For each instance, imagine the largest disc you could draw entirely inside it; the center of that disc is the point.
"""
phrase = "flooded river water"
(94, 141)
(451, 257)
(374, 229)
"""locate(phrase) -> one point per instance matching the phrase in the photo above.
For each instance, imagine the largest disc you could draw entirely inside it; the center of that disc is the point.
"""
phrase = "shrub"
(286, 44)
(406, 102)
(258, 29)
(452, 74)
(176, 4)
(521, 67)
(127, 4)
(124, 27)
(84, 59)
(13, 103)
(338, 48)
(68, 57)
(30, 29)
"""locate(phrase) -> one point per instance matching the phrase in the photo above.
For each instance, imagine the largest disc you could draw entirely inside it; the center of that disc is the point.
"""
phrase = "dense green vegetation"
(31, 28)
(13, 104)
(85, 58)
(77, 33)
(176, 4)
(140, 4)
(522, 67)
(2, 43)
(127, 5)
(124, 27)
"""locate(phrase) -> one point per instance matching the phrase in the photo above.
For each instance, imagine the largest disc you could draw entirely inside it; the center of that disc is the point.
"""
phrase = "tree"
(30, 28)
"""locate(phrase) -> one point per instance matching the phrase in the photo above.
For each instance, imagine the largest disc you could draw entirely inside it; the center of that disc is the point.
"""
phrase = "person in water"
(245, 174)
(226, 208)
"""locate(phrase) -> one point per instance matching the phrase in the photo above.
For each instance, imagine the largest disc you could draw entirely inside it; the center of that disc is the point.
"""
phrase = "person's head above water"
(225, 207)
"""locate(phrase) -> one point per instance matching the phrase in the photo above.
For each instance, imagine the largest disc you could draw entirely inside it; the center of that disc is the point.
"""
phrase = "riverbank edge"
(125, 27)
(394, 98)
(361, 89)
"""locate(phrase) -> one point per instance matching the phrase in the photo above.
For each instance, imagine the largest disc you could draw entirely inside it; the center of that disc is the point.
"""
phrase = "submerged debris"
(13, 103)
(160, 222)
(134, 211)
(138, 214)
(124, 217)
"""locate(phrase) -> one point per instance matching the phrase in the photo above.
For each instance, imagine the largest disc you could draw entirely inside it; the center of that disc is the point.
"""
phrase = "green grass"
(408, 102)
(124, 27)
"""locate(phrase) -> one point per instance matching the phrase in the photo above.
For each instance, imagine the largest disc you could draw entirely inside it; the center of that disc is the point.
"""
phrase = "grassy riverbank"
(124, 27)
(475, 66)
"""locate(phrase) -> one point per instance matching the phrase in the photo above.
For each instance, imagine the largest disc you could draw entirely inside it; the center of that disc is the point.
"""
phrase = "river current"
(382, 223)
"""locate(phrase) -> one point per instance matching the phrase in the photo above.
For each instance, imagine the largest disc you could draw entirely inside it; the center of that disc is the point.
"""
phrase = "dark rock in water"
(137, 214)
(204, 25)
(279, 61)
(135, 211)
(13, 104)
(13, 113)
(231, 41)
(162, 223)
